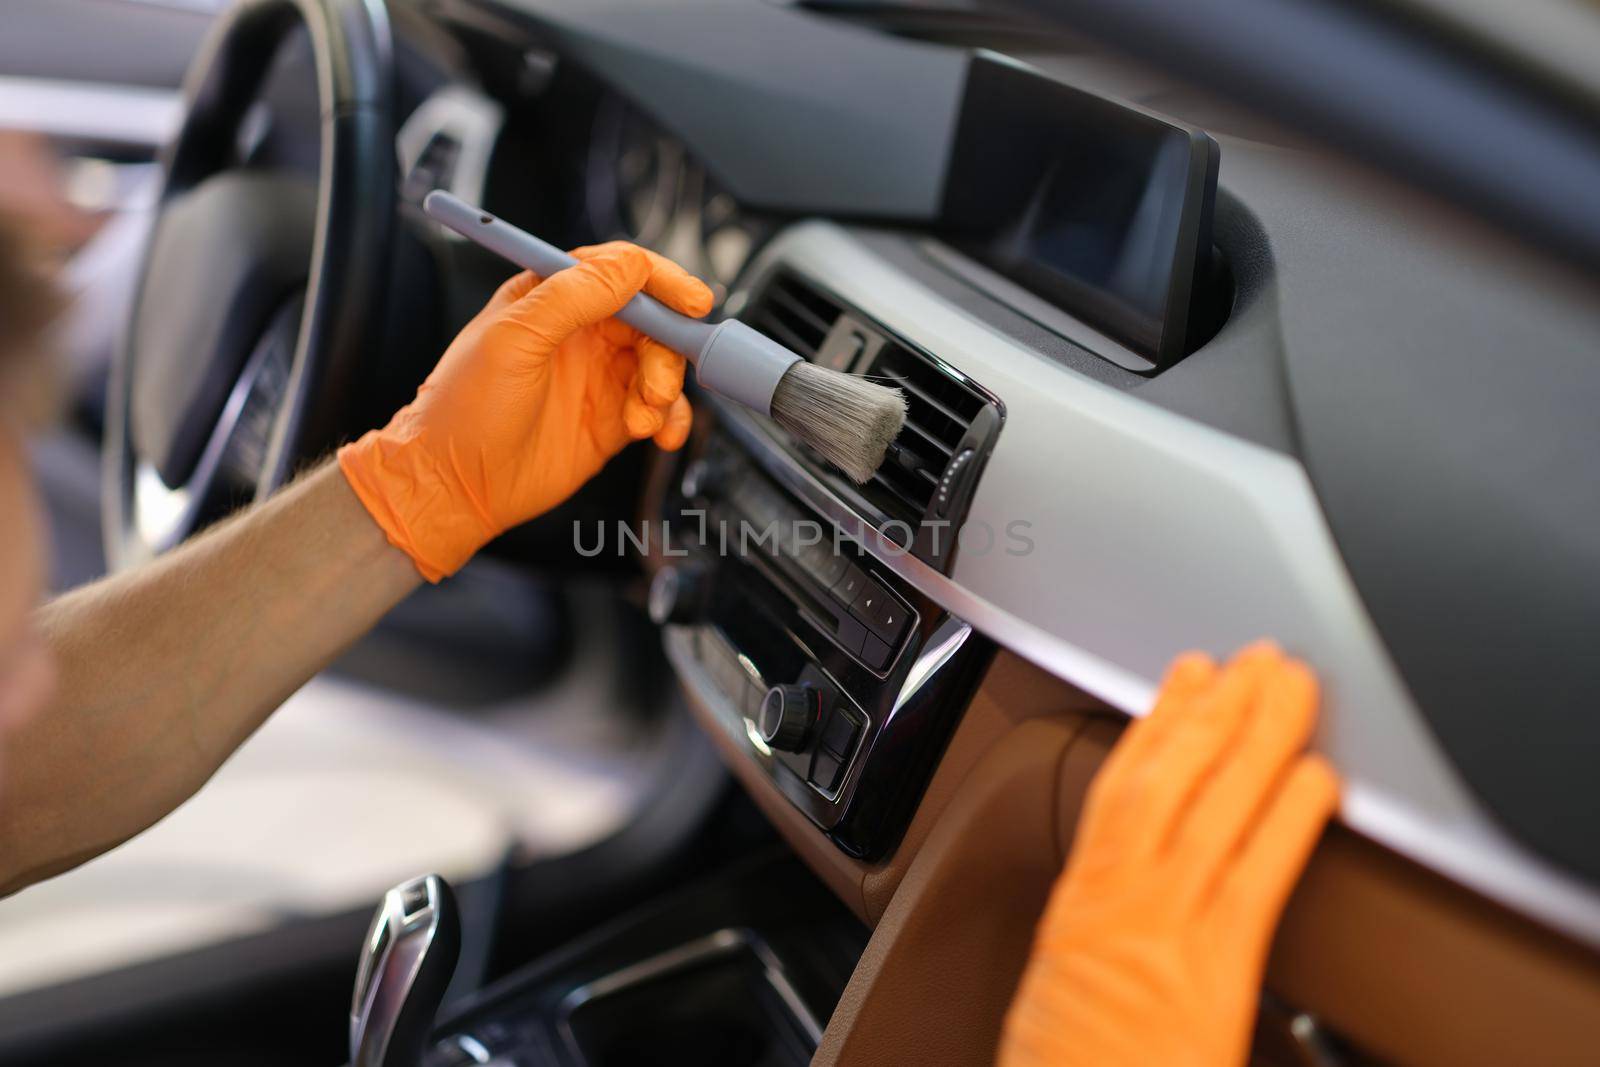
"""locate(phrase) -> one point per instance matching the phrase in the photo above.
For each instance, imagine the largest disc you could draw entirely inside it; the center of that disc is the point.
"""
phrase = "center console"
(799, 641)
(823, 667)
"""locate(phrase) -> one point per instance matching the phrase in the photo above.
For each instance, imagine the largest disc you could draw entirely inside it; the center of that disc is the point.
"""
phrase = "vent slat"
(929, 437)
(928, 380)
(805, 315)
(942, 428)
(824, 307)
(940, 406)
(770, 324)
(915, 499)
(792, 303)
(811, 338)
(922, 394)
(900, 476)
(939, 410)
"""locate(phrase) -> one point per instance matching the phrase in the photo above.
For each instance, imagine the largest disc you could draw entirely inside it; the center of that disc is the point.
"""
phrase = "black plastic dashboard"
(1431, 379)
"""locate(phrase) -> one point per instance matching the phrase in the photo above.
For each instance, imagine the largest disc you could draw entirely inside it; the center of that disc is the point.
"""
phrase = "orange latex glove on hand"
(532, 398)
(1152, 946)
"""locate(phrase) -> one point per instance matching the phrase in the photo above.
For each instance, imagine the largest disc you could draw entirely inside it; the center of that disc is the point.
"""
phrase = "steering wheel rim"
(293, 400)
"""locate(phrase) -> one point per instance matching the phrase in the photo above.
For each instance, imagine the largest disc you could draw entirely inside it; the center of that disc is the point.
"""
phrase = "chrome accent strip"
(1169, 534)
(713, 946)
(946, 641)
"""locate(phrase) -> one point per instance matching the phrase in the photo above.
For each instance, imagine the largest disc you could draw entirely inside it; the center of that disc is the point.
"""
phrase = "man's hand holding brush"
(529, 402)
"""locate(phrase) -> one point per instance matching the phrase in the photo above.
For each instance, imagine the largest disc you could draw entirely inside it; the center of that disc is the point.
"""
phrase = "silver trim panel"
(1153, 534)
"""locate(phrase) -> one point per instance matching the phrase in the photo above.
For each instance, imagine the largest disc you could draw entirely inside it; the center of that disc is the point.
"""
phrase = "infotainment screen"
(1102, 209)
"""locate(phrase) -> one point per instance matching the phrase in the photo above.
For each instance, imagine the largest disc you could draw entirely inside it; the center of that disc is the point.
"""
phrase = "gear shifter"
(406, 963)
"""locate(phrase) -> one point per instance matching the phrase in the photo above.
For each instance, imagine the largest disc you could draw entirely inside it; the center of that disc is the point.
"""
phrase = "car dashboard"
(1338, 403)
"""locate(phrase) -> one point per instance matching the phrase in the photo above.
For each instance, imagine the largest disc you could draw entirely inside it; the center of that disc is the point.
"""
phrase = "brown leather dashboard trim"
(943, 962)
(1418, 970)
(1406, 965)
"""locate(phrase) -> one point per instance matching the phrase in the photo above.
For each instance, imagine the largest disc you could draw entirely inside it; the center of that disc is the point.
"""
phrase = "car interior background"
(1216, 320)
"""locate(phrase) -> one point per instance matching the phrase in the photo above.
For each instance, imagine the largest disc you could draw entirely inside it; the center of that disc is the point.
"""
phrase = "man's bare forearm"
(168, 668)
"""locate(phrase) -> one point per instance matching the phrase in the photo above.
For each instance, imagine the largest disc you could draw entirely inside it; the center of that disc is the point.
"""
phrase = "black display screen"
(1102, 209)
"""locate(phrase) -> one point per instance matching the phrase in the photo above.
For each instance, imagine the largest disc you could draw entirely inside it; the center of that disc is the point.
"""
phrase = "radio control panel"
(830, 672)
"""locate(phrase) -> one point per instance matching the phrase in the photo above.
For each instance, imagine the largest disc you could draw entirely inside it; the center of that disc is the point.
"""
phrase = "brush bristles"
(850, 420)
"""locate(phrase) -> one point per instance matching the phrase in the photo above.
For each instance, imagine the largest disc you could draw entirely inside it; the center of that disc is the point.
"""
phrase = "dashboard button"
(881, 611)
(851, 633)
(876, 654)
(850, 584)
(831, 567)
(823, 563)
(826, 771)
(840, 734)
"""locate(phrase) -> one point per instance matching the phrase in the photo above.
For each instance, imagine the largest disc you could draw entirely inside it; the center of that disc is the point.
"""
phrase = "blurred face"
(27, 675)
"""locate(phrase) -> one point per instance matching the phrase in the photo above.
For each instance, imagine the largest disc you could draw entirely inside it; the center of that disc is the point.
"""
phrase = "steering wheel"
(259, 290)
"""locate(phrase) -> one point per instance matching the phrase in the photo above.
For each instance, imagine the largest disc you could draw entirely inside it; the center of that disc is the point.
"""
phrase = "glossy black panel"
(788, 605)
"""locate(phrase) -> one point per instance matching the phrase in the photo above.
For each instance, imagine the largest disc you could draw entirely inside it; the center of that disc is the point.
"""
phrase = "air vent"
(795, 314)
(927, 479)
(940, 410)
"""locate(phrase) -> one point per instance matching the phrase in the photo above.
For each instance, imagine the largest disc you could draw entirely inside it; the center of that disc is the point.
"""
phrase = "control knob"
(788, 715)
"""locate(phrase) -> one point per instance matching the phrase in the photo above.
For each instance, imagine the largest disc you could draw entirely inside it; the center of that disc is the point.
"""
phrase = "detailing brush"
(848, 420)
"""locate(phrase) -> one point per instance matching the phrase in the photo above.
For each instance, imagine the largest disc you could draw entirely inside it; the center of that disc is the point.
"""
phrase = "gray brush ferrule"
(743, 365)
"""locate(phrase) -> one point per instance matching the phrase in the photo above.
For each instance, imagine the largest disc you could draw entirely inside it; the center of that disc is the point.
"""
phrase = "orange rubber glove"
(1194, 832)
(532, 398)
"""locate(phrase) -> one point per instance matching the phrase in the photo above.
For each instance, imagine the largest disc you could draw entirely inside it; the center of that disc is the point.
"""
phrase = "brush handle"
(729, 358)
(685, 336)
